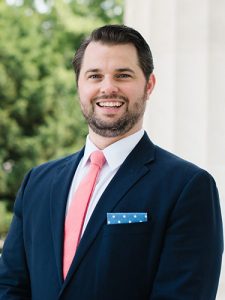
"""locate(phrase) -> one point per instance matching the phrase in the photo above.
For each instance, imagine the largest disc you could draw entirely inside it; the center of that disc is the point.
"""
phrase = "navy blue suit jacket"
(175, 255)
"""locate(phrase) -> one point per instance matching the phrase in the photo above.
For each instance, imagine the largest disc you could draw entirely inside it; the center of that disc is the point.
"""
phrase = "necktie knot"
(97, 158)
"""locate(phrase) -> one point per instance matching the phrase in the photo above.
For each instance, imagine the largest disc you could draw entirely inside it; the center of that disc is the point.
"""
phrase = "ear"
(150, 85)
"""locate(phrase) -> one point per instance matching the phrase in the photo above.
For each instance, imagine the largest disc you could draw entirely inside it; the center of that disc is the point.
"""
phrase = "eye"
(94, 76)
(123, 75)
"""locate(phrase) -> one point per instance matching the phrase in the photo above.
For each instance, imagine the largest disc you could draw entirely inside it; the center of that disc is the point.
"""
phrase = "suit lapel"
(59, 194)
(135, 166)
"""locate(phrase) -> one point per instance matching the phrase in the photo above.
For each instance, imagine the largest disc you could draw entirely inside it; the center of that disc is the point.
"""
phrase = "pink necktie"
(77, 211)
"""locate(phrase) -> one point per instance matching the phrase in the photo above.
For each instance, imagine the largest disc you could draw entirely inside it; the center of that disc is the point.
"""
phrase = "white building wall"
(186, 112)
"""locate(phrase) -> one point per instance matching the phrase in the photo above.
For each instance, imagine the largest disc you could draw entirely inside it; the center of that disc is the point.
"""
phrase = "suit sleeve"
(14, 274)
(190, 261)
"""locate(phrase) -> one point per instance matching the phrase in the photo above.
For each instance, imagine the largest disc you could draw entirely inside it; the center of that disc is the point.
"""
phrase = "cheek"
(86, 94)
(83, 97)
(132, 90)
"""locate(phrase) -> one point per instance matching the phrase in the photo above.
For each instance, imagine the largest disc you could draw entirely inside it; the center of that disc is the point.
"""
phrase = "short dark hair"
(114, 35)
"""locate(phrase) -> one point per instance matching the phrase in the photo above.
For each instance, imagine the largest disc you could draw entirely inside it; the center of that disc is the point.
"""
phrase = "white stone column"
(186, 112)
(152, 18)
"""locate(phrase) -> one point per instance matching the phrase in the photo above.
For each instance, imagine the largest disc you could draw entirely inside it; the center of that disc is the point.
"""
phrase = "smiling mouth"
(110, 104)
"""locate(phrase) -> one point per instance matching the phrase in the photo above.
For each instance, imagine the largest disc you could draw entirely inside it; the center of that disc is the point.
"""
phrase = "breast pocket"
(124, 250)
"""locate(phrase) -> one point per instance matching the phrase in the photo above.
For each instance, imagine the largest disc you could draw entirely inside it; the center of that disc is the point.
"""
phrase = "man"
(152, 228)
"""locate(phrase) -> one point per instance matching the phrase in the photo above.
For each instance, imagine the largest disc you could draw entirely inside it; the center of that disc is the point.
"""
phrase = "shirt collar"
(116, 153)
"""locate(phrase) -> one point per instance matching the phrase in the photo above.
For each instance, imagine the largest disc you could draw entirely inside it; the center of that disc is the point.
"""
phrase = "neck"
(102, 142)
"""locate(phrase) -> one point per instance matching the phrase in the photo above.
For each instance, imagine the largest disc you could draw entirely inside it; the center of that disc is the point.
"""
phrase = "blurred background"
(40, 117)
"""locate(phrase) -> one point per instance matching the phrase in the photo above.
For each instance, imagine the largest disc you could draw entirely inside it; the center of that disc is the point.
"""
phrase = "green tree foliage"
(40, 117)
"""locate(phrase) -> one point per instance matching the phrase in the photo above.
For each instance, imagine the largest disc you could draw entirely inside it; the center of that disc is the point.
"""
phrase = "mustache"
(111, 96)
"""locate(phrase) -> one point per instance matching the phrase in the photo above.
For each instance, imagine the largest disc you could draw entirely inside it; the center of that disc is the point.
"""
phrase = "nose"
(108, 86)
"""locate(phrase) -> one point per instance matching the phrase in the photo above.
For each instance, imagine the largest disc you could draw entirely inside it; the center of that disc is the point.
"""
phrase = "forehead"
(99, 54)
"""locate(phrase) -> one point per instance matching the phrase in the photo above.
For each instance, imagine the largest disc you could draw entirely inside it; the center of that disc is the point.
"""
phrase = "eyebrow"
(120, 70)
(125, 70)
(92, 71)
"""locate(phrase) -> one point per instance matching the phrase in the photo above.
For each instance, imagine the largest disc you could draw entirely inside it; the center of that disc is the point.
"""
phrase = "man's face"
(112, 89)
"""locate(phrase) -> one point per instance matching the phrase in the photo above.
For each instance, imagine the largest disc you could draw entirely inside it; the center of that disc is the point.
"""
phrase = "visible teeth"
(110, 104)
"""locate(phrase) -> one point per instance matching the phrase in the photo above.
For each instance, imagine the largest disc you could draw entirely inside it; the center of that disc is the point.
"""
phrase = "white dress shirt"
(115, 154)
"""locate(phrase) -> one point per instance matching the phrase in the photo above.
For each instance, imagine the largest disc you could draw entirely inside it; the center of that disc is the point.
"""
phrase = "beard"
(120, 126)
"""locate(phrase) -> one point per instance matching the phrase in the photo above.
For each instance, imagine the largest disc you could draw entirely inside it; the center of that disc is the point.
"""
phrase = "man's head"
(114, 78)
(117, 35)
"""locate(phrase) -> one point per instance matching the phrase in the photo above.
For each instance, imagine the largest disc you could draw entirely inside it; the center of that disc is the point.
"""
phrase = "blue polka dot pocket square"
(126, 218)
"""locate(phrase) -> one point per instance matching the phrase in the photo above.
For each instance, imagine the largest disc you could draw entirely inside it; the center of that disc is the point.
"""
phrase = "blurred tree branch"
(40, 117)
